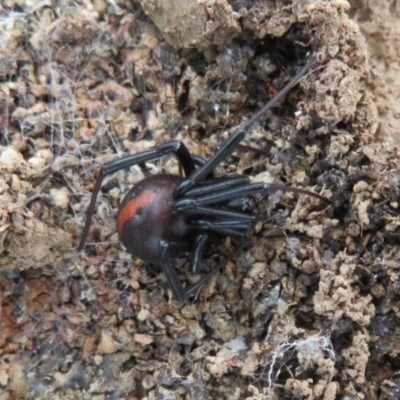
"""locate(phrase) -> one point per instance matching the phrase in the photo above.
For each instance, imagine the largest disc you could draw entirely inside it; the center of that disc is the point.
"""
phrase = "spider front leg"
(231, 144)
(173, 147)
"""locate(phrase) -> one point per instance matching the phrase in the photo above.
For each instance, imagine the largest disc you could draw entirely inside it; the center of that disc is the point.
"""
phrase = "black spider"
(164, 216)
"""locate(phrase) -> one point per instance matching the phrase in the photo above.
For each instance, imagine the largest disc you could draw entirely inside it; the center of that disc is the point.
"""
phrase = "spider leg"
(224, 228)
(225, 195)
(173, 281)
(195, 257)
(218, 214)
(226, 150)
(180, 293)
(192, 289)
(228, 232)
(204, 224)
(199, 161)
(174, 147)
(216, 185)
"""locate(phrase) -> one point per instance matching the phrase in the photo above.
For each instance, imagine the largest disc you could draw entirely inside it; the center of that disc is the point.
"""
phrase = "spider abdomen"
(145, 219)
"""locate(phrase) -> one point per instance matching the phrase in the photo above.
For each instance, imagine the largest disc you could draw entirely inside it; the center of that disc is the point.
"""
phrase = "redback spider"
(164, 216)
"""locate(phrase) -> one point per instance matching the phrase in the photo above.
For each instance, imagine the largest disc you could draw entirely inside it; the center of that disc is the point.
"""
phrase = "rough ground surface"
(312, 311)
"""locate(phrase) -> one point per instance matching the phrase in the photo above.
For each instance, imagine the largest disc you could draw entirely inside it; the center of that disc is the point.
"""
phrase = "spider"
(165, 216)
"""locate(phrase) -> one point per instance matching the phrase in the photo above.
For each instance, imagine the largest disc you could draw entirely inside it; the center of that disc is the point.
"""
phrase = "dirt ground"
(312, 310)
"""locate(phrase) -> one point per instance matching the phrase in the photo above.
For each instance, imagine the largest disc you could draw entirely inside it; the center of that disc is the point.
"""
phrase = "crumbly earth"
(312, 310)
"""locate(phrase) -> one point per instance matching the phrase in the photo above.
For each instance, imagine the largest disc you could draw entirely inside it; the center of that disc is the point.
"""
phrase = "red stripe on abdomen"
(132, 206)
